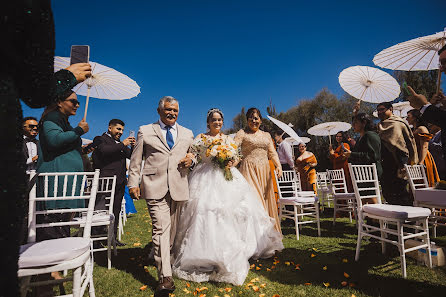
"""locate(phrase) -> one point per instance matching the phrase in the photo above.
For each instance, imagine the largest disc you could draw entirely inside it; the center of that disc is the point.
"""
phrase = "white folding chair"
(65, 253)
(343, 201)
(305, 204)
(418, 180)
(323, 189)
(122, 219)
(103, 218)
(408, 222)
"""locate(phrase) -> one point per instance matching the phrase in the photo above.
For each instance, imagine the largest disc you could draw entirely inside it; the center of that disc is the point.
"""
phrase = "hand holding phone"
(406, 90)
(343, 147)
(132, 133)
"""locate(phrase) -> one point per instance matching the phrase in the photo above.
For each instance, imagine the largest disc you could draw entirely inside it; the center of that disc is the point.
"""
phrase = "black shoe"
(165, 287)
(118, 243)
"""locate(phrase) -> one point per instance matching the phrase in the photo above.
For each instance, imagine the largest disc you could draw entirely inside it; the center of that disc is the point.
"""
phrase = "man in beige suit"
(163, 146)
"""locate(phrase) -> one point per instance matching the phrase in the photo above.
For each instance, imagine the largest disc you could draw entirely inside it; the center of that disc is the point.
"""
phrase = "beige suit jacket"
(161, 172)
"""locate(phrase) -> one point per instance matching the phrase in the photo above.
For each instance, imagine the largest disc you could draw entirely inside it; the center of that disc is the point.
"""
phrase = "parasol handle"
(439, 73)
(86, 104)
(329, 138)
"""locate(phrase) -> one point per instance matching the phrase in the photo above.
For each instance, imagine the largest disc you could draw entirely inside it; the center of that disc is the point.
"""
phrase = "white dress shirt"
(285, 153)
(173, 130)
(32, 152)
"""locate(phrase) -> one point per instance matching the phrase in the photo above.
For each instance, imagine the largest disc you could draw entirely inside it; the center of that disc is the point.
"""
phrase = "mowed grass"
(312, 266)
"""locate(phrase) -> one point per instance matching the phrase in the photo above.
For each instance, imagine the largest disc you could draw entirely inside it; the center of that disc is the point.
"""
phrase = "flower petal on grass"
(188, 285)
(313, 255)
(276, 295)
(186, 291)
(287, 263)
(228, 289)
(344, 260)
(261, 295)
(346, 275)
(137, 244)
(324, 268)
(326, 285)
(255, 288)
(307, 284)
(143, 288)
(344, 283)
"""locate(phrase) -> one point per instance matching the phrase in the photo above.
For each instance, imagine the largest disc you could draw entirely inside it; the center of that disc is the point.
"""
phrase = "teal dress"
(60, 150)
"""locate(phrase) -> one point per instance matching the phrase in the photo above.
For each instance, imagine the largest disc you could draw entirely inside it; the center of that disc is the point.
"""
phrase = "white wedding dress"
(221, 227)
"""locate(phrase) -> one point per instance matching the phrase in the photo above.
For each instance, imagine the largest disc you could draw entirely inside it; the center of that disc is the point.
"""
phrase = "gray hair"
(165, 99)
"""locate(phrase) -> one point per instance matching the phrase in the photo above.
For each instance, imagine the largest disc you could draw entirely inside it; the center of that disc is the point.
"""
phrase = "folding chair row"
(343, 201)
(418, 180)
(304, 204)
(60, 195)
(323, 189)
(408, 222)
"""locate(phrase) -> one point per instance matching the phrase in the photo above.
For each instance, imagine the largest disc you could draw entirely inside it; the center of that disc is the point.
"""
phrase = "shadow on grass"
(374, 274)
(132, 261)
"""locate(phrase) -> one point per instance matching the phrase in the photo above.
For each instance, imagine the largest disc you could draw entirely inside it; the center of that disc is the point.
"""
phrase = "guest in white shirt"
(284, 150)
(30, 143)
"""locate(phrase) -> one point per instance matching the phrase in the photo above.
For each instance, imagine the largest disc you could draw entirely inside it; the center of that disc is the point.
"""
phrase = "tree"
(238, 122)
(423, 82)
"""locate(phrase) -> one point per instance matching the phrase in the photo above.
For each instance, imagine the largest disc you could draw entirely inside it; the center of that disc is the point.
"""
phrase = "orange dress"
(257, 149)
(307, 173)
(340, 162)
(431, 168)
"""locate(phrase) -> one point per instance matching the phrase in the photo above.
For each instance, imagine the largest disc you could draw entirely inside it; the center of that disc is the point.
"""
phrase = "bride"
(223, 224)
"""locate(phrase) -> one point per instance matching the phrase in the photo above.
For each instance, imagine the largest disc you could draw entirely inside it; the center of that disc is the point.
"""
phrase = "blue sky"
(230, 54)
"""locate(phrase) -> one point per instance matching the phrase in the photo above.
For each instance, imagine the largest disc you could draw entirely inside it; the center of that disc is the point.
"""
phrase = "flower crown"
(212, 110)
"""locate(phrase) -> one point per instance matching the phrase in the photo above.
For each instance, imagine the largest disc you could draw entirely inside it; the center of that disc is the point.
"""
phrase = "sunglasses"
(32, 127)
(74, 102)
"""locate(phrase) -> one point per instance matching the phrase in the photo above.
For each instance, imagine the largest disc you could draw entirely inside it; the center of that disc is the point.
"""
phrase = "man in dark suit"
(110, 156)
(433, 112)
(30, 142)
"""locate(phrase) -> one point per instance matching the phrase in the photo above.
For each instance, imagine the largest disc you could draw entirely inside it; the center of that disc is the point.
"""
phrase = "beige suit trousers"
(164, 213)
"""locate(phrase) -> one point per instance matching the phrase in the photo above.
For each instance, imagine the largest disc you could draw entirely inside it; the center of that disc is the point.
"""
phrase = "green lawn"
(325, 267)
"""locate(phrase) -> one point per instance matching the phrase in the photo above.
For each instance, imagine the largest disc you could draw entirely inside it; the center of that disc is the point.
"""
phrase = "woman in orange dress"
(339, 160)
(422, 137)
(305, 164)
(257, 148)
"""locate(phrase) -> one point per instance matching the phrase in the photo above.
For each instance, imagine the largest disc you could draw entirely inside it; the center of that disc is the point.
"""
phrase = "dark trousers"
(119, 194)
(395, 190)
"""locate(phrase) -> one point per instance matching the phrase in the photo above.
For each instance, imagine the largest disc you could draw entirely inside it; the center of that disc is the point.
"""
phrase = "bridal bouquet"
(221, 151)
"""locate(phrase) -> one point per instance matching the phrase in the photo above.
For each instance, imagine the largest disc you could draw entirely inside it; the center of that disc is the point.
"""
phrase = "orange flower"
(143, 288)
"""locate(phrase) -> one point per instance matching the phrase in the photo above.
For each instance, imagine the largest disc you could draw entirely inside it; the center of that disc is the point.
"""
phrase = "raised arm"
(57, 137)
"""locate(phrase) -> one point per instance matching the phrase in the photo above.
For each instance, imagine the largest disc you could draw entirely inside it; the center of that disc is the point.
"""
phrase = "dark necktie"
(169, 137)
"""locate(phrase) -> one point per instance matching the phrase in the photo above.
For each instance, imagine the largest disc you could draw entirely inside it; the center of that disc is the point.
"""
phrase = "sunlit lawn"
(312, 266)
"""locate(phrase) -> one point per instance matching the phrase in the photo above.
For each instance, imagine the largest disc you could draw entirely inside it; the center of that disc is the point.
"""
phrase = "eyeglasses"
(74, 102)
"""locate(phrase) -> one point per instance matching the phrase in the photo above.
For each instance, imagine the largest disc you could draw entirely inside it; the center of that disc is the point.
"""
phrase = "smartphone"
(79, 54)
(406, 89)
(342, 146)
(132, 133)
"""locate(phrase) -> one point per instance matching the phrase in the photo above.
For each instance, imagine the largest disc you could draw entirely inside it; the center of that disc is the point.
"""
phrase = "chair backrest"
(337, 181)
(61, 193)
(417, 177)
(365, 183)
(106, 191)
(288, 184)
(322, 179)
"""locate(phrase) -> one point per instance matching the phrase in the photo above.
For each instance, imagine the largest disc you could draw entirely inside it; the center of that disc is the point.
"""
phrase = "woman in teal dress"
(60, 150)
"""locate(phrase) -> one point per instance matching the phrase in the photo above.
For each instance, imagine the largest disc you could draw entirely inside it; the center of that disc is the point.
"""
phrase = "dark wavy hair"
(442, 49)
(417, 115)
(344, 136)
(253, 110)
(365, 119)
